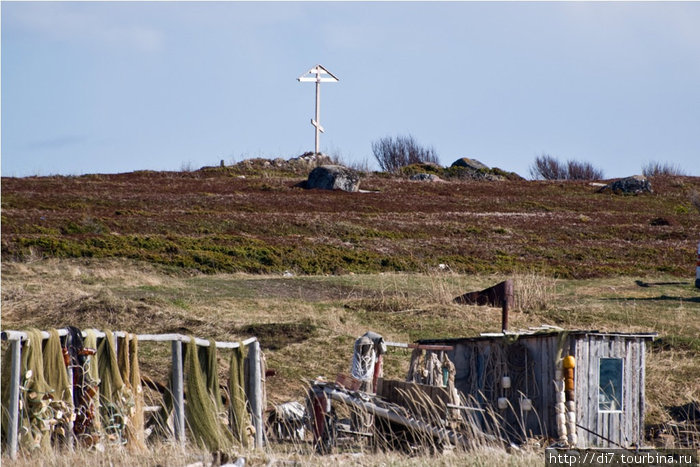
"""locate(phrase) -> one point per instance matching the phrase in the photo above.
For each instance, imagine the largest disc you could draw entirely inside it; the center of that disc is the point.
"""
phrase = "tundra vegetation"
(229, 252)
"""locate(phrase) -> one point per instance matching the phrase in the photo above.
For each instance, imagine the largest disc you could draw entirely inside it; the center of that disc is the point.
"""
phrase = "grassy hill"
(205, 253)
(234, 219)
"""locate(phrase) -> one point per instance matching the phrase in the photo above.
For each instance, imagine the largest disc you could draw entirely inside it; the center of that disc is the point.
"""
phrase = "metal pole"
(13, 415)
(255, 380)
(178, 392)
(318, 112)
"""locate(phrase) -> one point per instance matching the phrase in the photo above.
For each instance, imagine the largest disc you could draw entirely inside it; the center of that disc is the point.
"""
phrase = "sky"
(109, 87)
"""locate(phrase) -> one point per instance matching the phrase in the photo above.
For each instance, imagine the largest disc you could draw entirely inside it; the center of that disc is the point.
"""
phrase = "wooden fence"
(255, 375)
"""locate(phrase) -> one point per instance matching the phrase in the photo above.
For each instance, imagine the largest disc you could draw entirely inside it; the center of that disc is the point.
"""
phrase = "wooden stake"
(255, 396)
(13, 415)
(178, 392)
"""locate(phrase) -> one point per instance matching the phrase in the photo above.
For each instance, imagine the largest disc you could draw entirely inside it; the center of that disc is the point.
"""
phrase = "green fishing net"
(116, 399)
(201, 410)
(238, 413)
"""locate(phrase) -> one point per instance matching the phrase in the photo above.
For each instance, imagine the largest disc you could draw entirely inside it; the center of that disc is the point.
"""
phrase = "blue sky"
(110, 87)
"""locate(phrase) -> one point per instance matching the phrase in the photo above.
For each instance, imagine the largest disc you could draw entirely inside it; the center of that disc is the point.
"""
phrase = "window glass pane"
(610, 389)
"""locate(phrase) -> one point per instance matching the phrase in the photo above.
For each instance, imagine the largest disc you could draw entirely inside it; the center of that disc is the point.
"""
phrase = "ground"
(214, 254)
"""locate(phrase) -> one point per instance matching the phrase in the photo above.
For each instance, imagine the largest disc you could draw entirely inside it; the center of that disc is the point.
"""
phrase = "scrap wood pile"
(389, 425)
(426, 411)
(87, 390)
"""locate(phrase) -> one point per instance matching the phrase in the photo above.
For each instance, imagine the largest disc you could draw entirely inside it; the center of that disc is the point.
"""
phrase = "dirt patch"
(275, 336)
(290, 288)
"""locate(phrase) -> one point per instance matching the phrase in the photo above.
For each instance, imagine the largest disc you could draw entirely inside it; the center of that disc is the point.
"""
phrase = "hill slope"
(229, 220)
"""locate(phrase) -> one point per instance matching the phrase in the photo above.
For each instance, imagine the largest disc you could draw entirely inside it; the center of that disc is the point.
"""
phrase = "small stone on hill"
(470, 164)
(333, 177)
(635, 184)
(310, 159)
(423, 177)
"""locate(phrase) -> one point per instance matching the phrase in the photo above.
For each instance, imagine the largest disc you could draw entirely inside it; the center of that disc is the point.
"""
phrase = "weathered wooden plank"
(592, 389)
(13, 410)
(256, 396)
(178, 392)
(13, 335)
(593, 412)
(580, 376)
(642, 386)
(637, 425)
(546, 398)
(615, 419)
(631, 392)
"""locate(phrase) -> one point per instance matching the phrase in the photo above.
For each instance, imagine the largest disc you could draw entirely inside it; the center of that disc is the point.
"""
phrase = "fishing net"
(88, 406)
(116, 399)
(41, 413)
(201, 410)
(34, 431)
(238, 415)
(56, 375)
(55, 371)
(208, 363)
(129, 371)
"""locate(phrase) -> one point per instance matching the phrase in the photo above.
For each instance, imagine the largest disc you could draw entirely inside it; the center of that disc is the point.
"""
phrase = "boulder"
(633, 185)
(423, 177)
(472, 164)
(333, 177)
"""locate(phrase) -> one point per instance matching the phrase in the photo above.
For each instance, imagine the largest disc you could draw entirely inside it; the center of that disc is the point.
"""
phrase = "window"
(610, 385)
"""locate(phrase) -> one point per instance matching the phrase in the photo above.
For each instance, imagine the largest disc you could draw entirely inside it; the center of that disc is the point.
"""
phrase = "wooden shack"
(516, 374)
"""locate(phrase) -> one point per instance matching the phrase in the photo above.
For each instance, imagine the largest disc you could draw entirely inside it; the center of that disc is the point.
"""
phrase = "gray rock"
(636, 184)
(472, 164)
(425, 178)
(333, 177)
(310, 159)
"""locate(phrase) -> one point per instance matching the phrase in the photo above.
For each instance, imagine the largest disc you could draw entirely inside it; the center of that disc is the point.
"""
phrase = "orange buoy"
(569, 362)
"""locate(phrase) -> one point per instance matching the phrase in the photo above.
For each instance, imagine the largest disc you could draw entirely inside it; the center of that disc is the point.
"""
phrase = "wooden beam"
(419, 346)
(19, 335)
(178, 392)
(13, 410)
(255, 379)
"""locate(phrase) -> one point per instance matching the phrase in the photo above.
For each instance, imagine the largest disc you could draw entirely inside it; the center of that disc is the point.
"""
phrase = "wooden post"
(13, 415)
(507, 300)
(178, 392)
(255, 396)
(71, 389)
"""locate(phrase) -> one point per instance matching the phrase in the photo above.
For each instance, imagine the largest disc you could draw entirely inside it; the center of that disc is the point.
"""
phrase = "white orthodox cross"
(318, 75)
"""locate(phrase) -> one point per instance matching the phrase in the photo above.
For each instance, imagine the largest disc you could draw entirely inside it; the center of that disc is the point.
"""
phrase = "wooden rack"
(15, 339)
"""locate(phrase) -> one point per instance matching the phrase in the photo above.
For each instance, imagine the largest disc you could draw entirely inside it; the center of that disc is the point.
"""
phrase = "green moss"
(414, 169)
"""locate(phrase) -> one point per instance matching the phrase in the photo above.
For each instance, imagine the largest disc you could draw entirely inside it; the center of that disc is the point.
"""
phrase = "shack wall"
(529, 362)
(605, 428)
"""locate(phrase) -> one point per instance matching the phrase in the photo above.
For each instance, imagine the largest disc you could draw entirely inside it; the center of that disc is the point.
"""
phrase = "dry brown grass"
(533, 292)
(169, 454)
(137, 297)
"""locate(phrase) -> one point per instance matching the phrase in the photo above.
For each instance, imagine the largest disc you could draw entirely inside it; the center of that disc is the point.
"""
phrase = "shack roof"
(542, 331)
